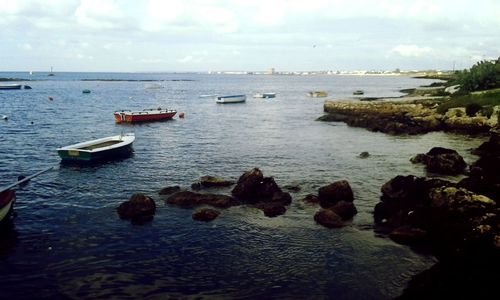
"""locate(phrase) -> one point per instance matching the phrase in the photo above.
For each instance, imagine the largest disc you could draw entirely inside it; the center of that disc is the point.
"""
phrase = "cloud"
(100, 14)
(26, 46)
(411, 50)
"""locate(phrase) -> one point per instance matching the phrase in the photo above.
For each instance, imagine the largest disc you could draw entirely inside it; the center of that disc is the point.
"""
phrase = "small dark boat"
(27, 87)
(358, 92)
(103, 149)
(86, 91)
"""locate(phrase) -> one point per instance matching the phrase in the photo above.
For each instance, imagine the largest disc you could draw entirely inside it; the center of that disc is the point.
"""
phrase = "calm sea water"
(68, 241)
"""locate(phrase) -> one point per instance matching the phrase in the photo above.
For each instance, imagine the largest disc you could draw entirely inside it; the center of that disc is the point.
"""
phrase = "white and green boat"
(108, 148)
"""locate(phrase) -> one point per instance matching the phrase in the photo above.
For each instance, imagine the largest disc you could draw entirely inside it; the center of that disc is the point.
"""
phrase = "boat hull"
(144, 116)
(104, 149)
(7, 199)
(10, 87)
(231, 99)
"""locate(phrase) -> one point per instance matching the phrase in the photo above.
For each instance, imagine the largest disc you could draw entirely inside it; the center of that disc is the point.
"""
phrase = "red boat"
(144, 115)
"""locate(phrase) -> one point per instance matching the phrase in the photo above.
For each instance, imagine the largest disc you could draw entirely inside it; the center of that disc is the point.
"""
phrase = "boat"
(231, 99)
(86, 91)
(358, 92)
(264, 95)
(10, 86)
(50, 74)
(107, 148)
(8, 198)
(144, 115)
(317, 94)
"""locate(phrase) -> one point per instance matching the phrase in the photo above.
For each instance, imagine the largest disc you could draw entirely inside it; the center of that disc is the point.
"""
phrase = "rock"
(247, 185)
(328, 218)
(266, 189)
(335, 192)
(282, 198)
(292, 187)
(345, 209)
(169, 190)
(442, 161)
(408, 235)
(459, 200)
(272, 209)
(138, 208)
(364, 155)
(211, 181)
(311, 198)
(189, 199)
(205, 214)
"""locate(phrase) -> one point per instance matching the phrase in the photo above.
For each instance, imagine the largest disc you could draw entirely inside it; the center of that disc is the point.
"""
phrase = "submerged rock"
(345, 209)
(169, 190)
(328, 218)
(138, 208)
(211, 181)
(189, 199)
(442, 161)
(205, 214)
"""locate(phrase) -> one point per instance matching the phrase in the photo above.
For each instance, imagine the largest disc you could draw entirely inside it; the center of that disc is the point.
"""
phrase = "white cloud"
(411, 50)
(99, 14)
(26, 46)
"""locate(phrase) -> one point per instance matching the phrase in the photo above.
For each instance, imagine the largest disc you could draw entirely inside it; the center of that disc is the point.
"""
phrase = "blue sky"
(225, 35)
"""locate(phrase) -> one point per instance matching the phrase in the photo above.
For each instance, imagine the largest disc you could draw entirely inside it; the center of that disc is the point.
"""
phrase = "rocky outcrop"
(328, 218)
(139, 209)
(441, 161)
(187, 199)
(262, 192)
(205, 214)
(169, 190)
(405, 117)
(330, 194)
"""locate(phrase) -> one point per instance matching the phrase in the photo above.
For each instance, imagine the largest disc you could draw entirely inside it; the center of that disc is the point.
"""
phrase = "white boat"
(231, 99)
(10, 86)
(264, 95)
(107, 148)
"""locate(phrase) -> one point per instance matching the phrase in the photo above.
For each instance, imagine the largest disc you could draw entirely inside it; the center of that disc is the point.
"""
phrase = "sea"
(68, 241)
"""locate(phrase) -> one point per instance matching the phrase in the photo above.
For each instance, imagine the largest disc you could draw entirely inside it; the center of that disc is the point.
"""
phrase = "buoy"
(50, 98)
(181, 115)
(4, 117)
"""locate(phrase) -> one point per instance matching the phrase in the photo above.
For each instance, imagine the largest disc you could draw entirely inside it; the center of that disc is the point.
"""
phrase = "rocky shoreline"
(409, 115)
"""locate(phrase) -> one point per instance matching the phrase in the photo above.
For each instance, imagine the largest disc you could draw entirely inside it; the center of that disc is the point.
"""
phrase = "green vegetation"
(485, 100)
(482, 76)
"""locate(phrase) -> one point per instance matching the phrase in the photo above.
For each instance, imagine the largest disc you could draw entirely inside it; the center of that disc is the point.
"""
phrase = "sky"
(253, 35)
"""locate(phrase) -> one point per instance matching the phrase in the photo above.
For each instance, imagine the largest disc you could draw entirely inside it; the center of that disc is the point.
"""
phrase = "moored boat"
(11, 86)
(265, 95)
(106, 148)
(86, 91)
(146, 115)
(358, 92)
(317, 94)
(231, 99)
(7, 199)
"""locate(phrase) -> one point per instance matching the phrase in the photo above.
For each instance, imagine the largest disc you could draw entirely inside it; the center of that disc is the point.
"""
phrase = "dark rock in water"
(328, 218)
(442, 161)
(266, 189)
(196, 186)
(169, 190)
(311, 198)
(205, 214)
(292, 188)
(211, 181)
(333, 117)
(335, 192)
(272, 209)
(364, 155)
(137, 209)
(345, 209)
(189, 199)
(248, 184)
(408, 235)
(282, 198)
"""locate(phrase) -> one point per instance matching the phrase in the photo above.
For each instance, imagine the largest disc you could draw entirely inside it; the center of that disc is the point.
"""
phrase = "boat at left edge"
(103, 149)
(7, 199)
(10, 86)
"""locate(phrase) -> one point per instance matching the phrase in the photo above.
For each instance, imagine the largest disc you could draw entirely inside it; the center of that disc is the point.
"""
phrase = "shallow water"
(69, 242)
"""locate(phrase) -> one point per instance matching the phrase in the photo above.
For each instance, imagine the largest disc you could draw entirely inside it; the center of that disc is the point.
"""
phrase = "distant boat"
(27, 87)
(150, 86)
(358, 92)
(146, 115)
(231, 99)
(102, 149)
(208, 96)
(264, 95)
(11, 86)
(50, 74)
(86, 91)
(317, 94)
